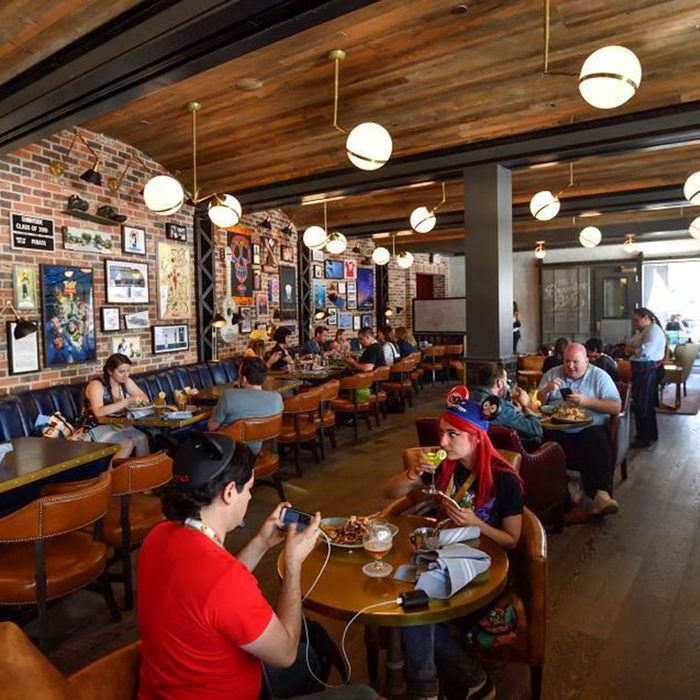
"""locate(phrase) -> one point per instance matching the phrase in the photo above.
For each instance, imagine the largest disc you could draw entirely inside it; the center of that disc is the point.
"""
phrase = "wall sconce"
(23, 327)
(266, 224)
(288, 230)
(218, 321)
(114, 184)
(56, 167)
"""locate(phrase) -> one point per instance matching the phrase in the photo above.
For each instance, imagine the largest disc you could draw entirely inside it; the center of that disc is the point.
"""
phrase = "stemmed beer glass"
(377, 542)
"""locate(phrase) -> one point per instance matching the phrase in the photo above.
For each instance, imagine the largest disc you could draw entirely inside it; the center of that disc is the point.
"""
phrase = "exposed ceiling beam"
(153, 45)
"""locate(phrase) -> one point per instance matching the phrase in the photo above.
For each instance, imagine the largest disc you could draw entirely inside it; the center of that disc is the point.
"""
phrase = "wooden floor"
(624, 603)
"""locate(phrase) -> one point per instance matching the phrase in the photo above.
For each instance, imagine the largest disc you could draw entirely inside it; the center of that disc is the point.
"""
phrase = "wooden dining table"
(157, 419)
(343, 590)
(284, 385)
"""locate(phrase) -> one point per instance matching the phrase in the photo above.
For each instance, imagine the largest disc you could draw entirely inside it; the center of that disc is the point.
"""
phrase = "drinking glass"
(434, 458)
(377, 542)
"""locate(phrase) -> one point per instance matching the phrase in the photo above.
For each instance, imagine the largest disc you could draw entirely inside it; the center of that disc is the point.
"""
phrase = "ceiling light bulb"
(163, 195)
(544, 205)
(629, 246)
(590, 237)
(315, 237)
(404, 260)
(422, 220)
(368, 146)
(337, 243)
(609, 77)
(381, 256)
(691, 189)
(540, 252)
(694, 228)
(224, 210)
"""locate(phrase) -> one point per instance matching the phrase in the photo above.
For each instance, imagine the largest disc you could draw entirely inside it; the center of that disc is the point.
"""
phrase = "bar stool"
(378, 397)
(298, 426)
(434, 360)
(349, 405)
(326, 421)
(454, 360)
(417, 372)
(402, 387)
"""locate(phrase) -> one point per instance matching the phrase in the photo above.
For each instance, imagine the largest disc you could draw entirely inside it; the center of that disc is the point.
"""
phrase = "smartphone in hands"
(565, 392)
(291, 515)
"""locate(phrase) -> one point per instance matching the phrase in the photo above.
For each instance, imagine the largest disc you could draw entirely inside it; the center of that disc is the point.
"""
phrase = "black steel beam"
(664, 127)
(155, 44)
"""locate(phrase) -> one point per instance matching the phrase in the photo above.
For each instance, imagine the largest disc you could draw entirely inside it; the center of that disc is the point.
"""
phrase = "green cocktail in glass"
(435, 459)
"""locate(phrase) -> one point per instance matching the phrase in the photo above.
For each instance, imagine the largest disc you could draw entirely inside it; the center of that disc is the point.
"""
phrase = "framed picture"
(319, 295)
(334, 269)
(273, 290)
(350, 269)
(288, 293)
(176, 232)
(174, 281)
(172, 338)
(365, 289)
(129, 345)
(261, 307)
(256, 253)
(134, 240)
(109, 319)
(341, 287)
(269, 252)
(68, 310)
(22, 354)
(351, 288)
(367, 320)
(241, 268)
(317, 255)
(356, 323)
(332, 319)
(287, 253)
(24, 283)
(246, 324)
(126, 282)
(86, 241)
(257, 281)
(318, 271)
(137, 321)
(345, 320)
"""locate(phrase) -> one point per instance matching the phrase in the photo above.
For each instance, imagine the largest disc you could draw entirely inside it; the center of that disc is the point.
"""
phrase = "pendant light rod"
(194, 107)
(545, 49)
(571, 181)
(442, 201)
(325, 218)
(337, 55)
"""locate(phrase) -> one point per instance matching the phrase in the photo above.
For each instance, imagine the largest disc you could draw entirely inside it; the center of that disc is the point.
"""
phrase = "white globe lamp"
(225, 210)
(381, 256)
(163, 195)
(337, 243)
(422, 220)
(609, 77)
(540, 252)
(544, 205)
(315, 237)
(404, 260)
(629, 246)
(368, 146)
(590, 237)
(691, 189)
(694, 228)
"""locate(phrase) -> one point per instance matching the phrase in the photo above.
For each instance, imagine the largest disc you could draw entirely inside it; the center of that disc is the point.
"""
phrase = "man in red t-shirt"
(205, 624)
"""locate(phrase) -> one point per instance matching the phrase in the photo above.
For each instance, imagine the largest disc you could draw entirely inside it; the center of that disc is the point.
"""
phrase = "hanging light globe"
(590, 237)
(224, 210)
(544, 205)
(315, 237)
(691, 189)
(629, 246)
(422, 220)
(368, 146)
(337, 243)
(694, 228)
(404, 260)
(609, 77)
(381, 256)
(163, 195)
(540, 252)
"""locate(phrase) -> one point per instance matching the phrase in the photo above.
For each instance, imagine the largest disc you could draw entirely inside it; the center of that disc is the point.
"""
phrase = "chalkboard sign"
(566, 302)
(31, 232)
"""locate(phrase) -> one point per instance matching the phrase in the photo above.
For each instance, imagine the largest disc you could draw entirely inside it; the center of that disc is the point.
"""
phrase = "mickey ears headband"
(490, 406)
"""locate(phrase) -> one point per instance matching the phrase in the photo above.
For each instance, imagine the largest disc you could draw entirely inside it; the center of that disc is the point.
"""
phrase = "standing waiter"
(648, 346)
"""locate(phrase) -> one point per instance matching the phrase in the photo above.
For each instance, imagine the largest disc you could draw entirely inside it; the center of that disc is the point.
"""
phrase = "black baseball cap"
(201, 458)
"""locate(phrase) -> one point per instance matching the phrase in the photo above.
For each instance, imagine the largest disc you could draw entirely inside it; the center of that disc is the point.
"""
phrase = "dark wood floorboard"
(623, 598)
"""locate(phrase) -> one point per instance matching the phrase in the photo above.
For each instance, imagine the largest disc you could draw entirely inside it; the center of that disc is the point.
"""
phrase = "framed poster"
(246, 324)
(317, 255)
(126, 282)
(341, 287)
(24, 284)
(129, 345)
(174, 281)
(288, 293)
(22, 354)
(68, 311)
(273, 290)
(256, 253)
(334, 269)
(137, 321)
(261, 307)
(109, 319)
(351, 288)
(356, 322)
(176, 232)
(269, 252)
(317, 271)
(257, 281)
(169, 338)
(345, 320)
(350, 269)
(241, 268)
(367, 320)
(365, 289)
(332, 319)
(134, 240)
(287, 253)
(319, 295)
(31, 232)
(83, 241)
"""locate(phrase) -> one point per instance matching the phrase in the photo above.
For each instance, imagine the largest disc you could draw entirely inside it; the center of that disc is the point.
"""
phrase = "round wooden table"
(343, 590)
(548, 424)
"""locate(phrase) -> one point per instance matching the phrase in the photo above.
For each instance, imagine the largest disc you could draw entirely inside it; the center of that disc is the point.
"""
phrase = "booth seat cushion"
(142, 384)
(64, 401)
(205, 378)
(13, 423)
(185, 377)
(231, 370)
(218, 373)
(32, 403)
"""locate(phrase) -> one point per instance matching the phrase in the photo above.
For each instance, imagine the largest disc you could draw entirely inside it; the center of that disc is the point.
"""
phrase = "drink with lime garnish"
(435, 459)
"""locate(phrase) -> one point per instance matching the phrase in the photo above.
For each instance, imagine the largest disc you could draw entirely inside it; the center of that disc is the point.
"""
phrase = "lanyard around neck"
(198, 525)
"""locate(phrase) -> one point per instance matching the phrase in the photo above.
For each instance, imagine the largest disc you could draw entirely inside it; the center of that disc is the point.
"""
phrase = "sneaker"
(484, 691)
(108, 213)
(604, 504)
(77, 203)
(576, 492)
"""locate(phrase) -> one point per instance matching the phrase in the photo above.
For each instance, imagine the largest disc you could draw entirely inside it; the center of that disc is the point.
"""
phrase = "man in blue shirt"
(491, 378)
(587, 449)
(317, 344)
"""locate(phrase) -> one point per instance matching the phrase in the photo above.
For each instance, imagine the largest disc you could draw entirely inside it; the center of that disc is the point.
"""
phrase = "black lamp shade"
(218, 321)
(287, 230)
(320, 315)
(399, 309)
(24, 328)
(266, 224)
(92, 176)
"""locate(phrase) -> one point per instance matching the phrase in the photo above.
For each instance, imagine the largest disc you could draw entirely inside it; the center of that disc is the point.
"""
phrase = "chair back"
(503, 438)
(531, 363)
(624, 370)
(428, 431)
(58, 514)
(356, 381)
(454, 351)
(381, 374)
(330, 390)
(112, 677)
(685, 357)
(513, 458)
(435, 351)
(254, 429)
(303, 402)
(139, 474)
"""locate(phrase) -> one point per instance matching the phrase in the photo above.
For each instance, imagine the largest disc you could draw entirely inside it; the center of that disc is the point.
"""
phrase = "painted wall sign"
(31, 232)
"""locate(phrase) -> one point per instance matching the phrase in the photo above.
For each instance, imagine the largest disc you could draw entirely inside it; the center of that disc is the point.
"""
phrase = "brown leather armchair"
(620, 431)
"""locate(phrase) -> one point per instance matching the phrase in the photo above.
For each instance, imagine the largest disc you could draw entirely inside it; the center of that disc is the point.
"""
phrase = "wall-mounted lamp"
(218, 321)
(23, 328)
(56, 167)
(266, 223)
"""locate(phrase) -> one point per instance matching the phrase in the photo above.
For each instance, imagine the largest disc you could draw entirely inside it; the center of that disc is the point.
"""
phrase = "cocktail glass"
(377, 542)
(435, 459)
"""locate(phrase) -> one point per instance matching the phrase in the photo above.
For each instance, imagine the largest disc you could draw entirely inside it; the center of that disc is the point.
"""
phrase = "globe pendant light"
(545, 205)
(337, 243)
(404, 260)
(381, 256)
(315, 237)
(629, 246)
(423, 219)
(163, 195)
(540, 252)
(694, 228)
(691, 189)
(590, 237)
(224, 211)
(609, 77)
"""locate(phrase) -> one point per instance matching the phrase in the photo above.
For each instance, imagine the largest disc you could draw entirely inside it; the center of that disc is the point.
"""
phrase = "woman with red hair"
(489, 494)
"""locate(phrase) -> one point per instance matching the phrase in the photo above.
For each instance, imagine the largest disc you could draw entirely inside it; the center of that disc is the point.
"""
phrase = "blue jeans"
(431, 649)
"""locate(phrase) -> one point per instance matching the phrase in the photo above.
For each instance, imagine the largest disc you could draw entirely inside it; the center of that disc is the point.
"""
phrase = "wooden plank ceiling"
(31, 31)
(435, 78)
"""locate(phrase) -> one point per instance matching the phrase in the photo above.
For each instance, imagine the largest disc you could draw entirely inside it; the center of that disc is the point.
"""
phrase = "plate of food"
(570, 414)
(348, 532)
(548, 409)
